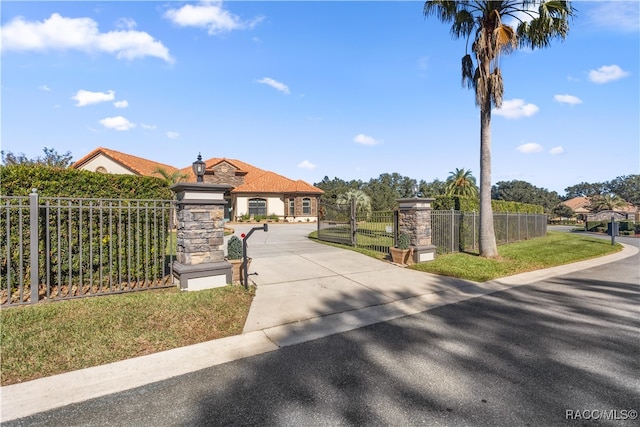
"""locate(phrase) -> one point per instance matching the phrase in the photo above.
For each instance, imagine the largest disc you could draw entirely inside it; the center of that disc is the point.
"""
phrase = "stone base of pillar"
(424, 253)
(202, 276)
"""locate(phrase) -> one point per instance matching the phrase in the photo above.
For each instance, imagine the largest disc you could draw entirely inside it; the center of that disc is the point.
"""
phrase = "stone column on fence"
(414, 219)
(200, 262)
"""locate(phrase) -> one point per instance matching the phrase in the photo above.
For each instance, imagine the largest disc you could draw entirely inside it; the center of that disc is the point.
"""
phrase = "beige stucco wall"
(275, 204)
(107, 163)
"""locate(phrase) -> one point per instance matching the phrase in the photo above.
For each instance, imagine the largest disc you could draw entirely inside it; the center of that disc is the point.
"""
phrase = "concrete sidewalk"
(305, 291)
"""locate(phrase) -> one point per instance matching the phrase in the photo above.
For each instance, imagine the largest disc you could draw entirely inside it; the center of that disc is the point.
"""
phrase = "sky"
(345, 89)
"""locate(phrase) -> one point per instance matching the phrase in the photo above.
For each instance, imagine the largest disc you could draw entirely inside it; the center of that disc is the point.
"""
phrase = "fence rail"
(455, 231)
(63, 248)
(451, 231)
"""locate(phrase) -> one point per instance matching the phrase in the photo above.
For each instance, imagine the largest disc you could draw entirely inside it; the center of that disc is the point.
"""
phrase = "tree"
(606, 202)
(363, 201)
(334, 187)
(483, 20)
(584, 189)
(524, 192)
(51, 158)
(433, 188)
(627, 187)
(170, 177)
(461, 183)
(563, 211)
(387, 188)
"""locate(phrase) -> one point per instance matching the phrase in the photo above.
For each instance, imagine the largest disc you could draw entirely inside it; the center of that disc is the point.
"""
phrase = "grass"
(51, 338)
(544, 252)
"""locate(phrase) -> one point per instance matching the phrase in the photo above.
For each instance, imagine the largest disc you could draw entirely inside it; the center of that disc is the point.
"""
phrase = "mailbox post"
(245, 272)
(614, 229)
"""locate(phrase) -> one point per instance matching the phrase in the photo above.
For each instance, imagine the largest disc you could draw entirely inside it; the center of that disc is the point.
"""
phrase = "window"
(292, 207)
(306, 206)
(101, 169)
(257, 207)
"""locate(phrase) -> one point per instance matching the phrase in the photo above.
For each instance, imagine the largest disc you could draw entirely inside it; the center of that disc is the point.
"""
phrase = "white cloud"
(275, 84)
(556, 150)
(60, 33)
(623, 16)
(209, 15)
(45, 88)
(515, 109)
(366, 139)
(147, 127)
(530, 147)
(172, 135)
(567, 99)
(306, 164)
(117, 123)
(121, 104)
(84, 97)
(607, 73)
(126, 24)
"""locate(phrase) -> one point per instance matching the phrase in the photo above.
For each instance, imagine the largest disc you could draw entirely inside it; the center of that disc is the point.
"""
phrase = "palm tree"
(483, 20)
(606, 202)
(363, 201)
(461, 183)
(170, 177)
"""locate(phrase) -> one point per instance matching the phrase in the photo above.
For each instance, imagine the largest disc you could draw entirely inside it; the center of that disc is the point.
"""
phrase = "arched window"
(306, 206)
(101, 169)
(257, 207)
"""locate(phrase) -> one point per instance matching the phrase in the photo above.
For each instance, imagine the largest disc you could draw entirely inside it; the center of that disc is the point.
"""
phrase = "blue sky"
(313, 89)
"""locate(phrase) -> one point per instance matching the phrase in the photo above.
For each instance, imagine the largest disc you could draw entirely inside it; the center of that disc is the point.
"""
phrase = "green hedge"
(105, 244)
(466, 204)
(18, 180)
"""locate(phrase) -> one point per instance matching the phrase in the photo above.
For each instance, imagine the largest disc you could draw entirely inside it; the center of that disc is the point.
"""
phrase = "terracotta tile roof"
(257, 180)
(578, 204)
(137, 165)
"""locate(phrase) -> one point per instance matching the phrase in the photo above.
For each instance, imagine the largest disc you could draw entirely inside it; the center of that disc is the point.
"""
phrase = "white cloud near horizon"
(306, 164)
(44, 88)
(117, 123)
(209, 15)
(366, 140)
(607, 73)
(530, 147)
(567, 99)
(515, 109)
(147, 127)
(121, 104)
(275, 84)
(172, 135)
(85, 97)
(556, 150)
(60, 33)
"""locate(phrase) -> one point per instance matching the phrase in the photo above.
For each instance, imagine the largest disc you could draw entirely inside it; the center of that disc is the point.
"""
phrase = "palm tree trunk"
(488, 247)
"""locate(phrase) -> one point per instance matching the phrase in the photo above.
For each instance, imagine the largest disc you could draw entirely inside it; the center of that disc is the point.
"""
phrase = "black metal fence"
(341, 223)
(63, 248)
(451, 231)
(455, 231)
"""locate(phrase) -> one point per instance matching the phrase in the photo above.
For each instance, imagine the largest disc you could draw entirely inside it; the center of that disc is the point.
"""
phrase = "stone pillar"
(200, 262)
(414, 219)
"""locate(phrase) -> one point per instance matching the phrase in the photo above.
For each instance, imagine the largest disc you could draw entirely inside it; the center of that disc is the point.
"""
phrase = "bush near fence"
(470, 204)
(82, 241)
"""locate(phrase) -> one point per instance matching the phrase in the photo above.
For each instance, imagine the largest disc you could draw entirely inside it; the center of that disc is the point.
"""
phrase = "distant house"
(254, 191)
(580, 206)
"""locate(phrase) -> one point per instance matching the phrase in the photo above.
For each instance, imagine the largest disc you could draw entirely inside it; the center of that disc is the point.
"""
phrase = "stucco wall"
(108, 164)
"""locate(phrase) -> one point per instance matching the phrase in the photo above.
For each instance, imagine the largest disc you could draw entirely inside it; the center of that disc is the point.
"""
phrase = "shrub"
(637, 228)
(403, 241)
(626, 225)
(234, 248)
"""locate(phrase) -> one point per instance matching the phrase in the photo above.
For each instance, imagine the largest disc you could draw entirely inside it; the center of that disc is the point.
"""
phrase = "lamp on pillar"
(416, 191)
(198, 168)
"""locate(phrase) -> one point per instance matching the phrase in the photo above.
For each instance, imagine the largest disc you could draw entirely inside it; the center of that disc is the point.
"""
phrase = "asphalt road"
(537, 355)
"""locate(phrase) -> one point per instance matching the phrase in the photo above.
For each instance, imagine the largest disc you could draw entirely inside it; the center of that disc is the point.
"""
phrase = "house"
(254, 192)
(580, 206)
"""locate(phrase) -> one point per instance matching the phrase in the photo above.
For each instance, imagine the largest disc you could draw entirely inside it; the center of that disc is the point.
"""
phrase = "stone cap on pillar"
(200, 193)
(415, 203)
